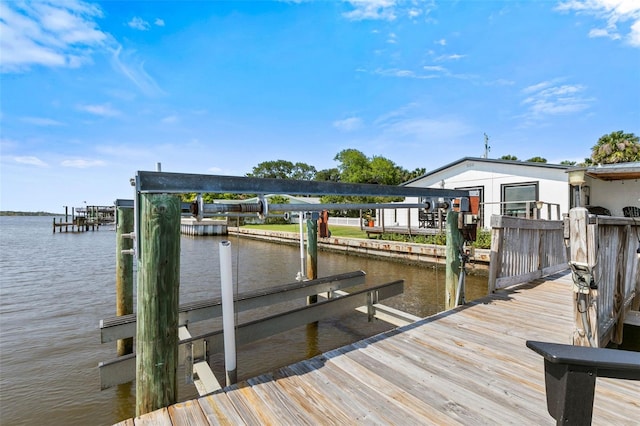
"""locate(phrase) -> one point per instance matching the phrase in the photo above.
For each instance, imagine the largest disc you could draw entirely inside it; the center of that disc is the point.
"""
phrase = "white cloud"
(31, 161)
(64, 34)
(414, 13)
(451, 57)
(602, 32)
(395, 72)
(634, 35)
(430, 71)
(81, 163)
(434, 68)
(552, 98)
(170, 119)
(386, 10)
(138, 23)
(51, 34)
(159, 22)
(104, 110)
(348, 124)
(441, 42)
(615, 13)
(371, 9)
(132, 68)
(40, 121)
(426, 129)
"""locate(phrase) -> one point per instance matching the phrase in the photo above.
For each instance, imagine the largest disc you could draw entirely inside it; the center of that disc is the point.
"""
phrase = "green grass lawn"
(483, 241)
(336, 231)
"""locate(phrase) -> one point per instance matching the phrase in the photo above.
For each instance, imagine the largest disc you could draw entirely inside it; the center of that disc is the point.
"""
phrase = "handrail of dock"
(570, 377)
(524, 249)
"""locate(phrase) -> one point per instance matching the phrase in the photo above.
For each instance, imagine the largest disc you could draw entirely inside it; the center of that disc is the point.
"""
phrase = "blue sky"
(92, 92)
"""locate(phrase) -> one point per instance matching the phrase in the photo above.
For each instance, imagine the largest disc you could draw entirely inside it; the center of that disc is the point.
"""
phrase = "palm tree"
(616, 147)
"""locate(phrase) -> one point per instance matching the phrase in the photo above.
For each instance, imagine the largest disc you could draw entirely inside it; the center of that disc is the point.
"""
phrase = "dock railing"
(606, 270)
(524, 249)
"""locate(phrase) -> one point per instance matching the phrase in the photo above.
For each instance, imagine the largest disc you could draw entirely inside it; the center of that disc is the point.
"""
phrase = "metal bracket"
(264, 204)
(582, 274)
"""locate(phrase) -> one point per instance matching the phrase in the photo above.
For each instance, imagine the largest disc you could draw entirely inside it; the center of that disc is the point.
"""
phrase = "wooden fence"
(604, 249)
(524, 249)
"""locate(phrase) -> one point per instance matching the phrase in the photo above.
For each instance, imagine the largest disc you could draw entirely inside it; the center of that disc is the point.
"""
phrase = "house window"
(514, 197)
(477, 191)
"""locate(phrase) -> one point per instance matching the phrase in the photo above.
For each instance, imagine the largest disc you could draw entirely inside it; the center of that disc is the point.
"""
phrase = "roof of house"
(617, 171)
(492, 161)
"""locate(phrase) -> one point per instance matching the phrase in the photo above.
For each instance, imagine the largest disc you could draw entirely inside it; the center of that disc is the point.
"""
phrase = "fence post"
(312, 255)
(454, 244)
(158, 289)
(495, 256)
(124, 272)
(582, 246)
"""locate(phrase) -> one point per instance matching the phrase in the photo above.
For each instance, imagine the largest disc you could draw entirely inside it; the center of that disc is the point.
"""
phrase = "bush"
(483, 239)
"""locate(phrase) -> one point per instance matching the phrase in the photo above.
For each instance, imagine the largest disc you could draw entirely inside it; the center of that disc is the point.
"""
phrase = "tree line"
(616, 147)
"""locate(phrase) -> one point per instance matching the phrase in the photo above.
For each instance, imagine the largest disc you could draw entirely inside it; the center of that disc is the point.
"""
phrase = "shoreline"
(411, 253)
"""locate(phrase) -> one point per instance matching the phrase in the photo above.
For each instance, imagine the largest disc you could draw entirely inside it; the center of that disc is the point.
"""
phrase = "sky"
(92, 92)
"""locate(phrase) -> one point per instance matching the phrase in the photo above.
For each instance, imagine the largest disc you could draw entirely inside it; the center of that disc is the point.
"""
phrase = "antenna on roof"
(487, 148)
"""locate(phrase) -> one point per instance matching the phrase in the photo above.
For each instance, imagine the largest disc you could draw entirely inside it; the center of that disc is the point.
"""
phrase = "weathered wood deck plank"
(358, 365)
(187, 413)
(465, 377)
(419, 383)
(158, 417)
(465, 366)
(219, 410)
(267, 388)
(340, 388)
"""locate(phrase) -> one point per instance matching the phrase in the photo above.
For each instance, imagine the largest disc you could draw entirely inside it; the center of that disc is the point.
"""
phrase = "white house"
(504, 187)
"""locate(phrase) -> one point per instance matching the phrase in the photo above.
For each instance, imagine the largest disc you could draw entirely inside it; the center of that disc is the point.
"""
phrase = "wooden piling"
(312, 274)
(312, 254)
(157, 298)
(454, 244)
(124, 272)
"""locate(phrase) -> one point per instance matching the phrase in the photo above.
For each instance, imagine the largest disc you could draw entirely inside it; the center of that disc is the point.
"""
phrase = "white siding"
(552, 183)
(614, 195)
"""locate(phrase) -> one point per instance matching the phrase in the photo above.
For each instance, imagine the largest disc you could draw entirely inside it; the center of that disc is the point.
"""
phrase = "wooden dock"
(469, 365)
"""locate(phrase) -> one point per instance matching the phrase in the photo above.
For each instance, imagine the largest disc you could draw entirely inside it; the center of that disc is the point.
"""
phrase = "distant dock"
(194, 227)
(83, 219)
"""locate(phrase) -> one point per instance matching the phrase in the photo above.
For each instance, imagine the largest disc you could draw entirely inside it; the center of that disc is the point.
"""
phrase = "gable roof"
(490, 161)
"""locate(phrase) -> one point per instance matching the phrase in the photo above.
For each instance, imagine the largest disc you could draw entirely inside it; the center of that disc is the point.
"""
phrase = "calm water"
(55, 288)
